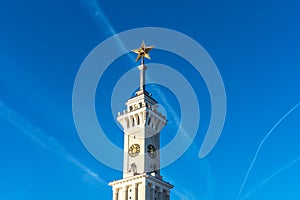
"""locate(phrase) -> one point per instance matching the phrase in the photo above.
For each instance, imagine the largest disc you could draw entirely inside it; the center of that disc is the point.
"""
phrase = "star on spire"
(142, 52)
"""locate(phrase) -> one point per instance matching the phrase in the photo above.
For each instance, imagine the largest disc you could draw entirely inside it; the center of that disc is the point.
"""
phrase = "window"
(138, 119)
(149, 121)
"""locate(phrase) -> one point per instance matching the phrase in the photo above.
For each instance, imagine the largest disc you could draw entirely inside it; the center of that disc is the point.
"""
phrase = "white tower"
(142, 124)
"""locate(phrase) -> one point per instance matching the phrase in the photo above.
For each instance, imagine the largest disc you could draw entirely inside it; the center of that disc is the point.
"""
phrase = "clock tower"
(142, 124)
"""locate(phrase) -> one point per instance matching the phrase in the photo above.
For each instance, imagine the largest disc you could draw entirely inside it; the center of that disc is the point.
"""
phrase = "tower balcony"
(142, 112)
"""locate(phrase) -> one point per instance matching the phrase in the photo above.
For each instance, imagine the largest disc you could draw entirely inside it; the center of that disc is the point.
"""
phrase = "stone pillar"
(167, 195)
(125, 192)
(115, 194)
(152, 194)
(142, 191)
(135, 191)
(160, 194)
(148, 189)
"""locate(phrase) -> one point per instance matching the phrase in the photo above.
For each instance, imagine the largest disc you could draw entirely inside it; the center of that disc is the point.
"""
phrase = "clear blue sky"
(255, 45)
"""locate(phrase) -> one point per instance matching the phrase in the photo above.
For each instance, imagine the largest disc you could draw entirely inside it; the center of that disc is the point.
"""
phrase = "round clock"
(151, 151)
(134, 150)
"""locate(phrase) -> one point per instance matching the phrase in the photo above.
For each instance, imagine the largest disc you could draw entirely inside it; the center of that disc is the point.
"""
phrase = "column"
(167, 195)
(160, 194)
(135, 191)
(142, 191)
(115, 194)
(152, 194)
(125, 192)
(148, 191)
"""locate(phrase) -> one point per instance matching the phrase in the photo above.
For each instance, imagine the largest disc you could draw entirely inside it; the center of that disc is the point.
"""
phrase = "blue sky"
(255, 45)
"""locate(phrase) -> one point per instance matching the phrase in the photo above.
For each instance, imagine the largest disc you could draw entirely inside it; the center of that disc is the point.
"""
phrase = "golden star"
(142, 52)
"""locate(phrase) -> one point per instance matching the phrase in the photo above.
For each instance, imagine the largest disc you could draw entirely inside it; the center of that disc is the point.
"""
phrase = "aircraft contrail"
(261, 144)
(41, 138)
(173, 113)
(270, 177)
(96, 12)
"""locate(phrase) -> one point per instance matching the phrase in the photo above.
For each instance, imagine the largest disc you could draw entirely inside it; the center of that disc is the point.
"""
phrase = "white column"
(115, 194)
(160, 194)
(142, 191)
(148, 191)
(125, 193)
(167, 195)
(135, 191)
(152, 194)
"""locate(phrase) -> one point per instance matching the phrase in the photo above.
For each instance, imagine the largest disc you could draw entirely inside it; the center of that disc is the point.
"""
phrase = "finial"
(142, 52)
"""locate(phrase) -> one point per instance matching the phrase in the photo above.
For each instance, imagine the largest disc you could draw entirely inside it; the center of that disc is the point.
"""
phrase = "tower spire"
(142, 52)
(142, 124)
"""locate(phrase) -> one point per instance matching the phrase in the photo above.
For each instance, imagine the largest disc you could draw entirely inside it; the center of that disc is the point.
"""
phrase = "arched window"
(157, 125)
(137, 119)
(149, 121)
(132, 119)
(127, 122)
(153, 123)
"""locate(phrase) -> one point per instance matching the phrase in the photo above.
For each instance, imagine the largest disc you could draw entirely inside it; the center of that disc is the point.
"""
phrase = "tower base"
(141, 187)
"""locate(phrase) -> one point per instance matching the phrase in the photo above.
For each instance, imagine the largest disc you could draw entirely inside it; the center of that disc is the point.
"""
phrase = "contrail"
(173, 113)
(43, 140)
(261, 144)
(270, 177)
(96, 12)
(184, 195)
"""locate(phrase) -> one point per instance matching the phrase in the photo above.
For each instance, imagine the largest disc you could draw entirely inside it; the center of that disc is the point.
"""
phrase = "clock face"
(134, 150)
(151, 151)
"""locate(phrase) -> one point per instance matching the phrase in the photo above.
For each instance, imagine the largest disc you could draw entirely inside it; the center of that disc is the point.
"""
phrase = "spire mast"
(142, 52)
